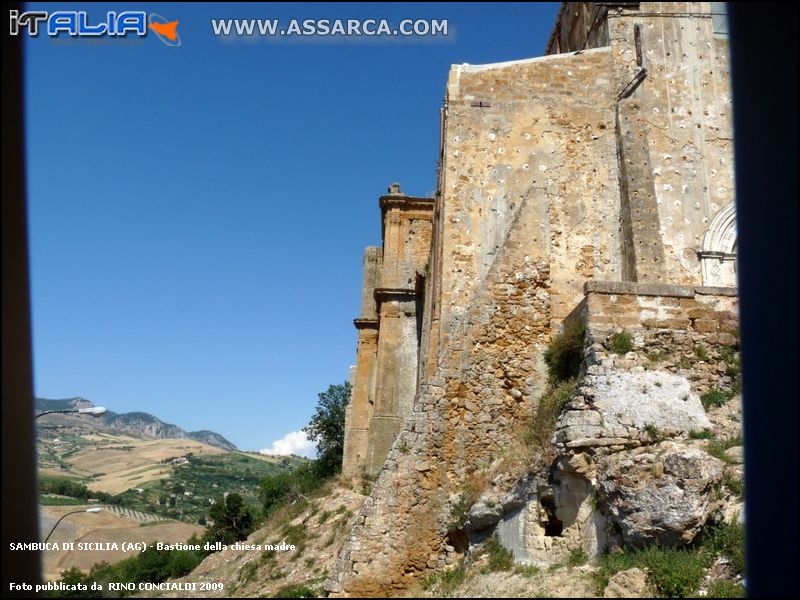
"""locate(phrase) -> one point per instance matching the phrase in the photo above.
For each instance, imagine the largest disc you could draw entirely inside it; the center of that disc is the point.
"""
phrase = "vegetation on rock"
(564, 355)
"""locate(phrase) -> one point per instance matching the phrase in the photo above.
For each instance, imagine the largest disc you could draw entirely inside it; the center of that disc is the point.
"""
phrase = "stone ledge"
(394, 294)
(404, 202)
(655, 289)
(365, 323)
(717, 291)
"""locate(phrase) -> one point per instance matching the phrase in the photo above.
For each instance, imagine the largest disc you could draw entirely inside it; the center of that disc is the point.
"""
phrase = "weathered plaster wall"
(521, 228)
(679, 120)
(362, 401)
(540, 130)
(579, 25)
(388, 339)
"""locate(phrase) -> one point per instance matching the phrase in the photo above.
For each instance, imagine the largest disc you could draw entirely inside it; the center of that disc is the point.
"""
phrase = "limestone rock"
(621, 405)
(518, 495)
(631, 583)
(733, 512)
(481, 516)
(663, 497)
(735, 454)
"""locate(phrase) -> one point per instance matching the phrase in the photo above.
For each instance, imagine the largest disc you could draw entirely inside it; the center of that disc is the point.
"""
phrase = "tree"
(233, 520)
(327, 428)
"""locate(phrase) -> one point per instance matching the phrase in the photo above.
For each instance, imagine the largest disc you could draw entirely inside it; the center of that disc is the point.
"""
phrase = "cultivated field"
(118, 463)
(104, 526)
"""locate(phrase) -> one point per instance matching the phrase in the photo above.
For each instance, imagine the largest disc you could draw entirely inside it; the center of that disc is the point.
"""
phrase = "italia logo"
(77, 23)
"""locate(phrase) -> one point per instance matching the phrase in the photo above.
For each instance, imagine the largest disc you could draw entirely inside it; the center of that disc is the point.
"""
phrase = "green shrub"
(714, 397)
(674, 572)
(717, 447)
(248, 572)
(724, 588)
(288, 487)
(729, 356)
(564, 355)
(294, 534)
(458, 512)
(678, 572)
(657, 356)
(621, 343)
(701, 434)
(500, 559)
(527, 570)
(577, 557)
(295, 591)
(324, 516)
(540, 429)
(610, 564)
(727, 540)
(736, 486)
(445, 582)
(701, 353)
(654, 433)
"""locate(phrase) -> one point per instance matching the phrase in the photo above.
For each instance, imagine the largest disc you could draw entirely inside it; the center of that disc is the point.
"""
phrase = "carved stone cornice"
(365, 323)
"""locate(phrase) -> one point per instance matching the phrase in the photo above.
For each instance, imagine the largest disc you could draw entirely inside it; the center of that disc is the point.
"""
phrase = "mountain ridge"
(137, 422)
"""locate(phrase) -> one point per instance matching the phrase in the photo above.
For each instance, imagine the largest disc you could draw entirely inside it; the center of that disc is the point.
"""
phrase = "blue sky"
(198, 214)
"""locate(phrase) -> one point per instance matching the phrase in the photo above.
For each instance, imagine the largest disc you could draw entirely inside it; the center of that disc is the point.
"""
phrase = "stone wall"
(539, 131)
(631, 411)
(609, 166)
(672, 74)
(518, 235)
(360, 408)
(653, 308)
(671, 71)
(385, 381)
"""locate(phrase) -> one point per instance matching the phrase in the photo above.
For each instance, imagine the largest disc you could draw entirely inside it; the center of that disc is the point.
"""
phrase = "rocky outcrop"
(660, 494)
(631, 583)
(136, 423)
(616, 407)
(483, 515)
(212, 438)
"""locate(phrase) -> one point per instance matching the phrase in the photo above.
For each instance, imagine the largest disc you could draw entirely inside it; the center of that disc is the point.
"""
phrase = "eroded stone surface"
(619, 406)
(662, 495)
(631, 583)
(553, 172)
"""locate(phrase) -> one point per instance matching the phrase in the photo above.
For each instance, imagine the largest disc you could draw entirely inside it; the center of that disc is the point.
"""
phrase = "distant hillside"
(212, 439)
(137, 423)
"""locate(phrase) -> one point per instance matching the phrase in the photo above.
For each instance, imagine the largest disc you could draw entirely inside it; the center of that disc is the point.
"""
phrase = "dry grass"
(124, 470)
(104, 526)
(253, 574)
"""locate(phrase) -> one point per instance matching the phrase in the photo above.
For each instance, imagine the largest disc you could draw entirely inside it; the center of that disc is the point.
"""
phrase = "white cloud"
(294, 442)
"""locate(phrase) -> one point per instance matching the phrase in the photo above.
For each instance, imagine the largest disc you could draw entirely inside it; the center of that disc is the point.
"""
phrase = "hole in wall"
(458, 539)
(553, 527)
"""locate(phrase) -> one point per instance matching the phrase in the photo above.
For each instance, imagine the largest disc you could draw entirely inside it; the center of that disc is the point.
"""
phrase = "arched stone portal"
(718, 256)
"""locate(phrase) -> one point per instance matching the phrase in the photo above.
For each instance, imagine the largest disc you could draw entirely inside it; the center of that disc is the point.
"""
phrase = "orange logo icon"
(168, 30)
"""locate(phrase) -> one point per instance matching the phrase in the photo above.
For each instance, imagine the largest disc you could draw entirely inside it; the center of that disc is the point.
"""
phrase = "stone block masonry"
(385, 380)
(598, 177)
